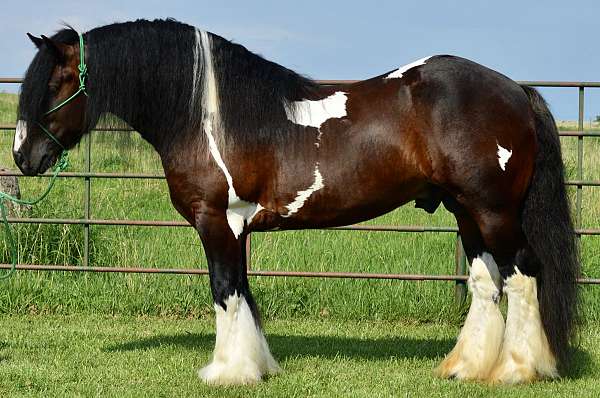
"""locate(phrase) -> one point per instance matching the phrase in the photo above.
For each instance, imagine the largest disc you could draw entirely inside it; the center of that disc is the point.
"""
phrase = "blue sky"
(526, 40)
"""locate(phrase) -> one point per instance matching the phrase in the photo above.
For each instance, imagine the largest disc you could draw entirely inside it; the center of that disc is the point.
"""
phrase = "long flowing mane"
(142, 72)
(151, 73)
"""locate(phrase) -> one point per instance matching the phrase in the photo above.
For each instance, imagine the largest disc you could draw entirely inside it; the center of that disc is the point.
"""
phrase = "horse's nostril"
(19, 158)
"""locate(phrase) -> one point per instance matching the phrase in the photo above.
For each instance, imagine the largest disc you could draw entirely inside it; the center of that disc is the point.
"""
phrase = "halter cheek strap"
(82, 67)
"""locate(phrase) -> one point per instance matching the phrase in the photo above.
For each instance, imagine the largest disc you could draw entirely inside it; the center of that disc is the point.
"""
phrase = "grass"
(184, 296)
(79, 355)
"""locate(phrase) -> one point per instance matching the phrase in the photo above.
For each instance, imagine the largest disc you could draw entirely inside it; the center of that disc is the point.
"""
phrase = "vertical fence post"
(248, 252)
(579, 157)
(87, 200)
(460, 289)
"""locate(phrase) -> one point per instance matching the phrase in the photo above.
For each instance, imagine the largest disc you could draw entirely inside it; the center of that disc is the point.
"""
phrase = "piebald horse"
(248, 145)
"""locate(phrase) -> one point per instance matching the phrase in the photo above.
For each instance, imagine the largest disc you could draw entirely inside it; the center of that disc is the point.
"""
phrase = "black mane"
(253, 92)
(142, 72)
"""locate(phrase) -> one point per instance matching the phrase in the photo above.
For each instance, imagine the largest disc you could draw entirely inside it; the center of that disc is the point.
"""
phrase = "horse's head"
(51, 115)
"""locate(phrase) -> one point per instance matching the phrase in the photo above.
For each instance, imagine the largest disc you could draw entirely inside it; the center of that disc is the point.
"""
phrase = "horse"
(249, 145)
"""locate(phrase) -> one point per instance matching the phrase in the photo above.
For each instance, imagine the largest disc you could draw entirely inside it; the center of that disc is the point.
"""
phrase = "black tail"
(549, 230)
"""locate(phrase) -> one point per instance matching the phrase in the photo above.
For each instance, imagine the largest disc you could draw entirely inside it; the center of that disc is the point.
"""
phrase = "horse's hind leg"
(525, 354)
(480, 339)
(241, 354)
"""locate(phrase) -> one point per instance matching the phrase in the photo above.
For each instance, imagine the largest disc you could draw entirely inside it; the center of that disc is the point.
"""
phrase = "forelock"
(34, 96)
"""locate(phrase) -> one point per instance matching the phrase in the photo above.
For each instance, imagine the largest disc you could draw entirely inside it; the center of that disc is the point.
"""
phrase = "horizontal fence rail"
(460, 278)
(301, 274)
(173, 223)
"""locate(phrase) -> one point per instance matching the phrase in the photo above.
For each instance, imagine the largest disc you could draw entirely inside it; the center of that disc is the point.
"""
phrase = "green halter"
(61, 165)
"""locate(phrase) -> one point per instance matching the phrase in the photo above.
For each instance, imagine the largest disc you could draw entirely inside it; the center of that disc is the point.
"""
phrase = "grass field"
(57, 356)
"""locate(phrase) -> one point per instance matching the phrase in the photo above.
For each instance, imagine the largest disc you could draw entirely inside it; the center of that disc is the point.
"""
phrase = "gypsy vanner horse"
(248, 145)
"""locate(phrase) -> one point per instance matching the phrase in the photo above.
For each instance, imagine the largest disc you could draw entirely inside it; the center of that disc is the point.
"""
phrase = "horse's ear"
(55, 48)
(36, 40)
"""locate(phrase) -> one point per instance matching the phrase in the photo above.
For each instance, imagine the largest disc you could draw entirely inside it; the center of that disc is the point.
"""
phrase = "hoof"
(243, 373)
(479, 342)
(513, 369)
(456, 366)
(224, 374)
(512, 376)
(241, 354)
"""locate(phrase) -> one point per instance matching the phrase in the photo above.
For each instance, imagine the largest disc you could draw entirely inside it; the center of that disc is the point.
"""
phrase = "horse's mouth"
(47, 161)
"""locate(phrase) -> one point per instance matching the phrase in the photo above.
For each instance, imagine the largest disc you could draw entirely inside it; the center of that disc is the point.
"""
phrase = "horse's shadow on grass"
(581, 365)
(292, 346)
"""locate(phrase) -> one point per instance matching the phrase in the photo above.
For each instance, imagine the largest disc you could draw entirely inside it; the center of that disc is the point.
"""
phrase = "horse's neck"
(146, 87)
(167, 99)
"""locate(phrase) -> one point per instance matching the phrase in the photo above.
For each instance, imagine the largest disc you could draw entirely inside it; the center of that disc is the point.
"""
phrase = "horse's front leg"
(241, 354)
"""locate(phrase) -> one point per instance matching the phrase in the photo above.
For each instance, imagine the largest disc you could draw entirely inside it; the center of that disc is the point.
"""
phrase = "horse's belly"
(347, 203)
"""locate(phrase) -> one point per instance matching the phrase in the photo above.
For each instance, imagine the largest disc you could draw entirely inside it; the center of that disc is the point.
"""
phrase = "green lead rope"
(61, 165)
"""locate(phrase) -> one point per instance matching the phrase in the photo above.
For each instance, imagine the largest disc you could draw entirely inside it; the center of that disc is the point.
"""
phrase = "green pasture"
(115, 356)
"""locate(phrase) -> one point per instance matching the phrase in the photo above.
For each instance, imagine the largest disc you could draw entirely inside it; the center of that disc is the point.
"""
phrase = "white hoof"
(225, 374)
(242, 372)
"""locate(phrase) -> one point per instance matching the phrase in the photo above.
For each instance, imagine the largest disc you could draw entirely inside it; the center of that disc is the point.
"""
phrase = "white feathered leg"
(241, 353)
(526, 354)
(480, 339)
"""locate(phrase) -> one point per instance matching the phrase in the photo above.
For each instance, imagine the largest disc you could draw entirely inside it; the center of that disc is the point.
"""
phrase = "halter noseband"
(82, 89)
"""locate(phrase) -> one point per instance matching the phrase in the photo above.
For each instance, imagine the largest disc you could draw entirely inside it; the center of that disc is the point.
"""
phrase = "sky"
(525, 40)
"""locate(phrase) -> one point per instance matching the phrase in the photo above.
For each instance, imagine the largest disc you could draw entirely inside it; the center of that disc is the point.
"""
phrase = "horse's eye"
(53, 89)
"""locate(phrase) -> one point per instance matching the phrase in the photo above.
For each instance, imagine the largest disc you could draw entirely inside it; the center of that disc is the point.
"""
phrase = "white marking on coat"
(20, 135)
(210, 95)
(241, 354)
(318, 142)
(526, 354)
(197, 53)
(315, 113)
(480, 339)
(239, 212)
(503, 156)
(398, 73)
(304, 195)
